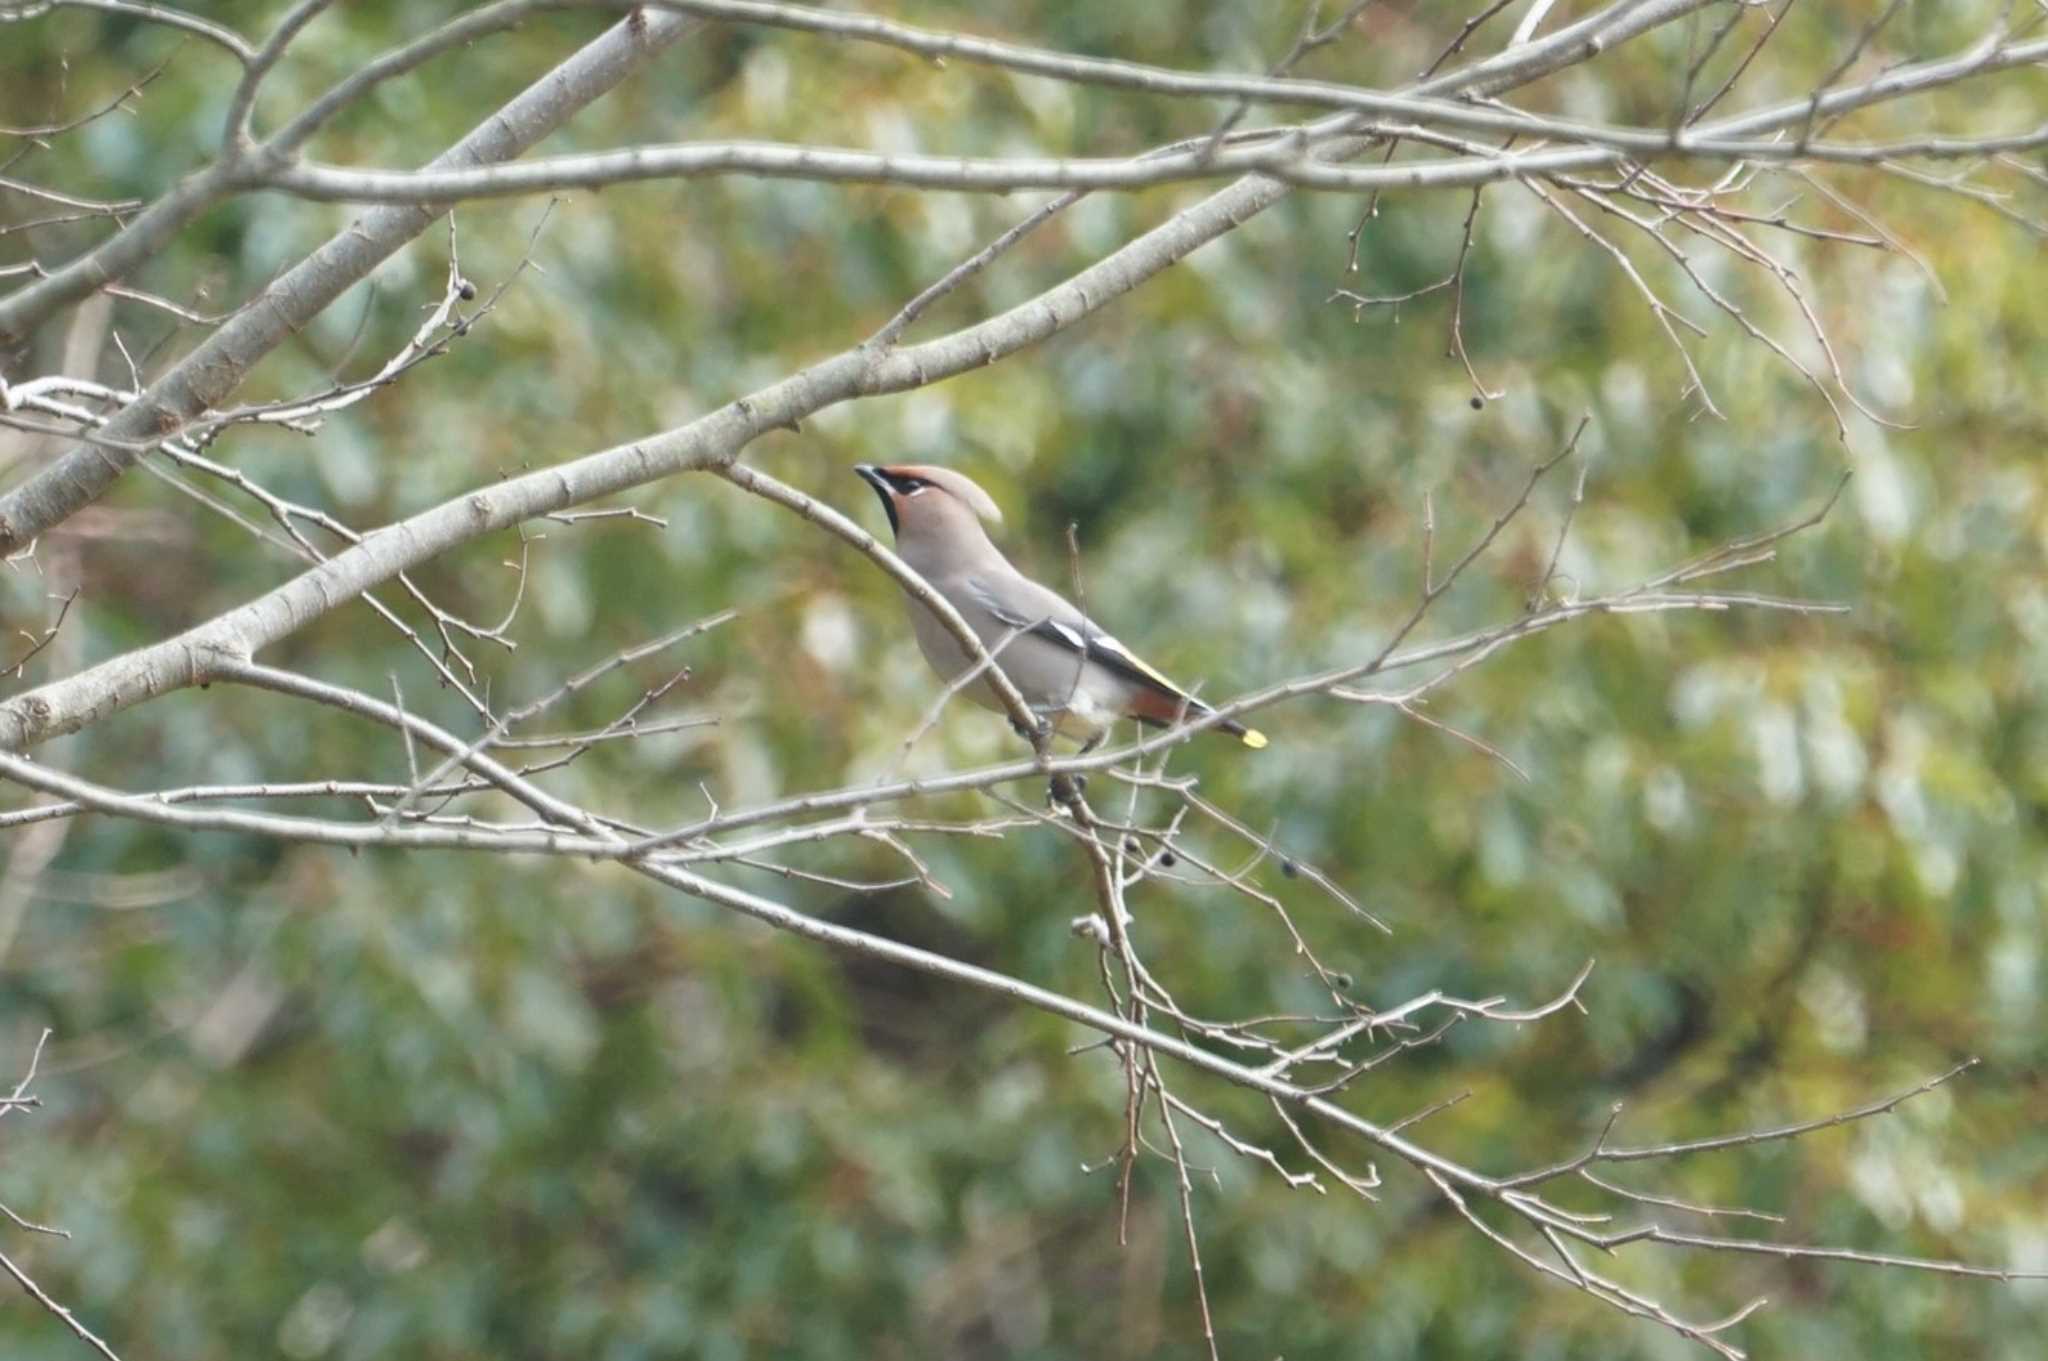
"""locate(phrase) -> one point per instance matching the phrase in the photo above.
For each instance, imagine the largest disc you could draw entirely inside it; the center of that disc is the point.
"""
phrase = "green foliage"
(448, 1106)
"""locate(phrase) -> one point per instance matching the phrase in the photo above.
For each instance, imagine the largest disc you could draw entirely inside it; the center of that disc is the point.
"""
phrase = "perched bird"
(1069, 670)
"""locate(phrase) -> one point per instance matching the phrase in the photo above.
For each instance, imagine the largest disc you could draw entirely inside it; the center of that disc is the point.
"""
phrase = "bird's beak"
(875, 478)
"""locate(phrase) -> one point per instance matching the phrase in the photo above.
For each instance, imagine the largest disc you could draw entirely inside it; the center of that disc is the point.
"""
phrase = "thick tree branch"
(1287, 157)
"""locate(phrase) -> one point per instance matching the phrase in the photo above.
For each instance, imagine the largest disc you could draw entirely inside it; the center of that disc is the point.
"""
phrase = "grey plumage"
(1067, 668)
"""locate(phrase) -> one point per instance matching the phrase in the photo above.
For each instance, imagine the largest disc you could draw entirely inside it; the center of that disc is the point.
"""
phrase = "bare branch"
(63, 1315)
(206, 376)
(20, 1100)
(1793, 1131)
(241, 104)
(224, 38)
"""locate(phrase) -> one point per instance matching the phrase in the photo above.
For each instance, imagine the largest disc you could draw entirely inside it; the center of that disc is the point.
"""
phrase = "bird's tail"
(1251, 737)
(1163, 709)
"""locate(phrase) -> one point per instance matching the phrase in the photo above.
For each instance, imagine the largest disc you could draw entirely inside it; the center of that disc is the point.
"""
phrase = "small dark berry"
(1478, 404)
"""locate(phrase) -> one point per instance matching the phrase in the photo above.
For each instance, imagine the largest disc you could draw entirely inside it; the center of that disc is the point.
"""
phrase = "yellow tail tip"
(1253, 738)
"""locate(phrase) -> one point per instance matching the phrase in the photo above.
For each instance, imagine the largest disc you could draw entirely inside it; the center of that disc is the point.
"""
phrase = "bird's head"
(922, 500)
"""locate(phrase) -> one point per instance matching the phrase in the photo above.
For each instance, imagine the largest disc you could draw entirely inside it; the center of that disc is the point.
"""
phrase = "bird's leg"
(1081, 781)
(1062, 789)
(1068, 789)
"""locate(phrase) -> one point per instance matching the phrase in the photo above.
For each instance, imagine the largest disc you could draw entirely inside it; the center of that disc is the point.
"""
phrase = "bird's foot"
(1077, 781)
(1038, 734)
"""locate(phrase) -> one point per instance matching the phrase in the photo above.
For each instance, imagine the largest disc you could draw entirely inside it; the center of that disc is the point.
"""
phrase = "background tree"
(1363, 395)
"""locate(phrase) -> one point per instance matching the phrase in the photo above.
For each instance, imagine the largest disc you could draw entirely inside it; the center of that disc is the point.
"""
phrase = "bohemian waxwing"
(1066, 667)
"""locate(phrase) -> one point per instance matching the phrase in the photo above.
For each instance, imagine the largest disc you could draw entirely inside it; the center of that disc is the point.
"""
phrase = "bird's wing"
(1023, 604)
(1064, 626)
